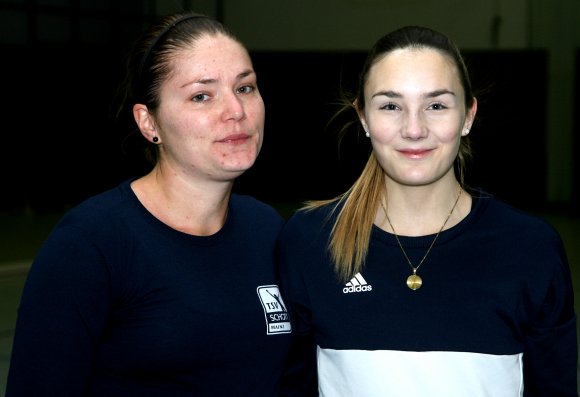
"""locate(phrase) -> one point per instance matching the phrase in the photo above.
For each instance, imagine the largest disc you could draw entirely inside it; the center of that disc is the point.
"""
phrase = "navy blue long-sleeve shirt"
(119, 304)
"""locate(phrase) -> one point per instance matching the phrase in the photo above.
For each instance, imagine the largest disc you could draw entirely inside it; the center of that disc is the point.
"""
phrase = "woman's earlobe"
(145, 122)
(366, 128)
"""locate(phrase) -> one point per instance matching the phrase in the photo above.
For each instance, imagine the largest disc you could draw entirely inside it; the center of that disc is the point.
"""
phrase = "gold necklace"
(414, 282)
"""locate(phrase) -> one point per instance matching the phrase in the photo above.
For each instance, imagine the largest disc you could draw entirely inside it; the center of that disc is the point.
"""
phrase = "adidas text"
(358, 288)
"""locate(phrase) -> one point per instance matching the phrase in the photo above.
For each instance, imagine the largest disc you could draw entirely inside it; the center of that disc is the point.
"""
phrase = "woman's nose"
(233, 107)
(414, 126)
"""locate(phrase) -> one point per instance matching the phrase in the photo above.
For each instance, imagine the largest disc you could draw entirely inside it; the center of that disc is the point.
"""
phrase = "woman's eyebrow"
(206, 81)
(395, 94)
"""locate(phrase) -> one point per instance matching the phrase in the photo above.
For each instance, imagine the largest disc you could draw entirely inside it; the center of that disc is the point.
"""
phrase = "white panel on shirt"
(374, 373)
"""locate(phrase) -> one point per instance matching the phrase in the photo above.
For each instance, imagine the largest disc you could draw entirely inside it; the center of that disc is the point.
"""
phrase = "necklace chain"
(414, 281)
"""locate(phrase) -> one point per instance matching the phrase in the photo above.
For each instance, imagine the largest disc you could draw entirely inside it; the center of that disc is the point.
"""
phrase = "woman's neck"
(188, 206)
(422, 210)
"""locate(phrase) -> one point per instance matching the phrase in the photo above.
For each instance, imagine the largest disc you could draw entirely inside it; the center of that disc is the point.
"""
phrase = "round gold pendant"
(414, 282)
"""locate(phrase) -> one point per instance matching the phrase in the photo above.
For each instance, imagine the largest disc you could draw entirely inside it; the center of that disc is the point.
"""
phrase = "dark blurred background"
(62, 61)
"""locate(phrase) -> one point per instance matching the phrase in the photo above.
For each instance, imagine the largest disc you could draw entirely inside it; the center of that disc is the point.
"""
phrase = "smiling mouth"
(415, 153)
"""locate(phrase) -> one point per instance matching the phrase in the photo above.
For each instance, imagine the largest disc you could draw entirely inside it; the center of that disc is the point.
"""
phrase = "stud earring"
(366, 128)
(465, 132)
(155, 139)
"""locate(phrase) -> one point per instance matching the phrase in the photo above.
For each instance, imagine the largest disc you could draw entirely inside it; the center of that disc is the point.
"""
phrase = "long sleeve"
(61, 316)
(551, 354)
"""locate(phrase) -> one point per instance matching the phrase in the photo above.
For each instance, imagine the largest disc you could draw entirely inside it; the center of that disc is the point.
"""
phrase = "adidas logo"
(357, 284)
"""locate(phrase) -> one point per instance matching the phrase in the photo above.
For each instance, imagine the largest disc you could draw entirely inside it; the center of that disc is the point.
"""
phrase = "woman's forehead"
(406, 64)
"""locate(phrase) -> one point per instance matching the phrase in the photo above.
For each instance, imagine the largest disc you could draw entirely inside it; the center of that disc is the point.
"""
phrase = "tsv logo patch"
(277, 319)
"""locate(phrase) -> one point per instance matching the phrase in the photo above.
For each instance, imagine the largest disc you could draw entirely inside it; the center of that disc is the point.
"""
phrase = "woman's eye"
(246, 89)
(389, 106)
(200, 97)
(437, 106)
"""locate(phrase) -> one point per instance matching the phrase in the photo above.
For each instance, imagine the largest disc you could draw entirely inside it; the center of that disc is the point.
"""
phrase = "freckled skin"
(211, 115)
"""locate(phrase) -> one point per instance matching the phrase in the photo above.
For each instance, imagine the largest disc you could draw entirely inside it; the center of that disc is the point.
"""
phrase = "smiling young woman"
(412, 283)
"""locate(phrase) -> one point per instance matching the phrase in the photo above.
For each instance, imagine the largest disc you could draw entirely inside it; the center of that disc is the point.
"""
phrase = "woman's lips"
(415, 153)
(235, 138)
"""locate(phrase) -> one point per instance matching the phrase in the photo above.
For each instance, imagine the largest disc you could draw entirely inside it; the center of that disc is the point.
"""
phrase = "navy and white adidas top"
(494, 316)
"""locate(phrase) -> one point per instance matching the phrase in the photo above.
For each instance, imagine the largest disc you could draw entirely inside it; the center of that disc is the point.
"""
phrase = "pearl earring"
(465, 132)
(368, 134)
